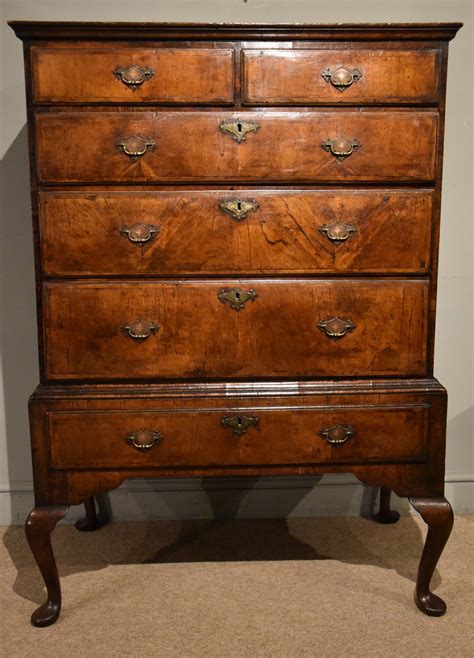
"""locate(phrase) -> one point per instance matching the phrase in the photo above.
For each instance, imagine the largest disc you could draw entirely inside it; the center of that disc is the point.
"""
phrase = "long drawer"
(144, 146)
(133, 75)
(237, 437)
(235, 328)
(230, 232)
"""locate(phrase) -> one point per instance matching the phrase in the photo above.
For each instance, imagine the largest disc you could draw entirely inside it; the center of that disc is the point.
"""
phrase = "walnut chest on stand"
(236, 234)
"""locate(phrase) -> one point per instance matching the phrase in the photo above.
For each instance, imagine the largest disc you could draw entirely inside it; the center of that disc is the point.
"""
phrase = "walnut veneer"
(236, 231)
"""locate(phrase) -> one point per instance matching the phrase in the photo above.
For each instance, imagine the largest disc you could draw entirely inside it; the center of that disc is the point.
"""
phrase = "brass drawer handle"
(238, 129)
(238, 208)
(133, 76)
(338, 232)
(337, 433)
(144, 440)
(336, 328)
(135, 146)
(140, 330)
(239, 424)
(341, 148)
(237, 297)
(340, 77)
(140, 234)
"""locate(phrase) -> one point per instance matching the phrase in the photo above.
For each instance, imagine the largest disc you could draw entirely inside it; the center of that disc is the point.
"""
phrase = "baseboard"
(331, 495)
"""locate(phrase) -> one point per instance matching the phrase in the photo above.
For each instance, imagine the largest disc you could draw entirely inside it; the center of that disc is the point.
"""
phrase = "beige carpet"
(239, 588)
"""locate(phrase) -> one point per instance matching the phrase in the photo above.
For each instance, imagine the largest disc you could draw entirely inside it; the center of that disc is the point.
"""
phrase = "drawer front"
(196, 146)
(289, 77)
(208, 232)
(237, 437)
(133, 75)
(193, 329)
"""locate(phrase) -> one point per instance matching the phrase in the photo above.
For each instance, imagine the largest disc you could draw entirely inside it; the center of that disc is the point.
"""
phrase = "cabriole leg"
(385, 514)
(89, 522)
(438, 515)
(39, 526)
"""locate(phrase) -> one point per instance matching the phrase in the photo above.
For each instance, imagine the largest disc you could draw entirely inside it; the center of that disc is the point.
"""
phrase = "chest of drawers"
(236, 233)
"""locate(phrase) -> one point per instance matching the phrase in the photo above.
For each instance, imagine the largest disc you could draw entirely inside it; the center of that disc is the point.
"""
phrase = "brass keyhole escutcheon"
(238, 208)
(239, 423)
(236, 297)
(238, 129)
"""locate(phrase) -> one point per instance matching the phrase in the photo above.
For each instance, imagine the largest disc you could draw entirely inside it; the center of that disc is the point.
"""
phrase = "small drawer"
(133, 75)
(237, 437)
(234, 328)
(235, 232)
(292, 77)
(143, 146)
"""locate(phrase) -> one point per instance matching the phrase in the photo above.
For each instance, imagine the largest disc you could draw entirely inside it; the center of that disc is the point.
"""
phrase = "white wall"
(455, 330)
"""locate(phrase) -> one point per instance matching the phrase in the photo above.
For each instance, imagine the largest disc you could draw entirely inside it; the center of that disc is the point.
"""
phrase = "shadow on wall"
(241, 497)
(460, 450)
(17, 306)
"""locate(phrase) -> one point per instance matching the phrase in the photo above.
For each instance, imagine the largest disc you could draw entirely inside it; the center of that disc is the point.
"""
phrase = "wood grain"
(82, 146)
(38, 528)
(199, 439)
(276, 335)
(82, 232)
(438, 515)
(135, 401)
(291, 77)
(64, 31)
(181, 75)
(205, 359)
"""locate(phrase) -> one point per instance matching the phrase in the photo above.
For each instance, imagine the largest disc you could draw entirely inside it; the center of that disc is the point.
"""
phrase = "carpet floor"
(240, 588)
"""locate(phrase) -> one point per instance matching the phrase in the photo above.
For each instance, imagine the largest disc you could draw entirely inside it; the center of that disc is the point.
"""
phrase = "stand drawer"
(237, 437)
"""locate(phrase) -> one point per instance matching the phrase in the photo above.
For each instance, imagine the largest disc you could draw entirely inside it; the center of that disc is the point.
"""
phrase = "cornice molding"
(51, 30)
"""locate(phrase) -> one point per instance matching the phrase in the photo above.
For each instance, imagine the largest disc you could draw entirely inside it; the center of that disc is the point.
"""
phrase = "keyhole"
(239, 127)
(239, 205)
(237, 296)
(239, 421)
